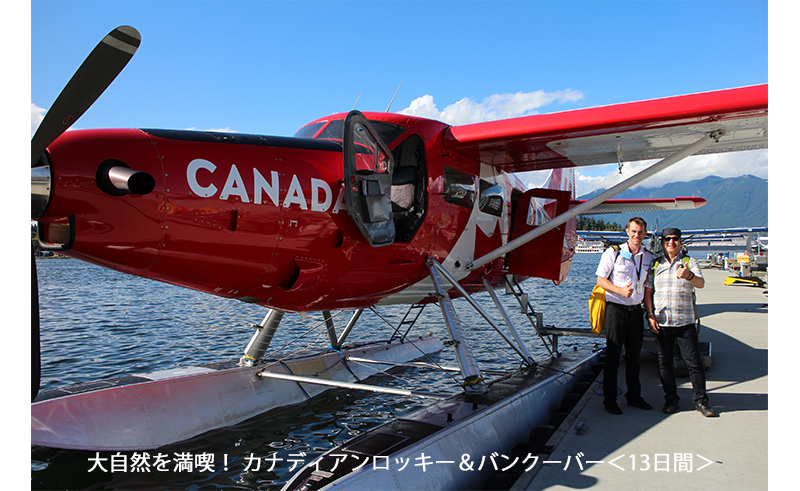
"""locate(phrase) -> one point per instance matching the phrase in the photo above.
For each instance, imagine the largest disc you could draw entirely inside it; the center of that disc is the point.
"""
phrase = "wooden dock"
(652, 450)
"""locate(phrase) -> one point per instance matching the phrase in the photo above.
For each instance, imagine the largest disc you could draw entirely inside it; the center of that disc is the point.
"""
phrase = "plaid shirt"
(673, 302)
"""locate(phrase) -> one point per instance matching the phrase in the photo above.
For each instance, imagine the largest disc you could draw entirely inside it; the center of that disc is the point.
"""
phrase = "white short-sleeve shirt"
(633, 270)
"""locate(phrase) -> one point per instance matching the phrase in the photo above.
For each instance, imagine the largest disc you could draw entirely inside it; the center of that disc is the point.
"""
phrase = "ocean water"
(98, 324)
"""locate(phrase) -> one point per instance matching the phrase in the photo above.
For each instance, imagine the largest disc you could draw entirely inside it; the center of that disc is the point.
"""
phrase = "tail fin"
(562, 180)
(550, 255)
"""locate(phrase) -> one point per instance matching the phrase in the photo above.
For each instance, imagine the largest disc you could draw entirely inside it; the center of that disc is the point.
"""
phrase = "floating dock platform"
(593, 449)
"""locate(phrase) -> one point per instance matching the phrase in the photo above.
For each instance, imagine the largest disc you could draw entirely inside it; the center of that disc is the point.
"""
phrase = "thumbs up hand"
(626, 291)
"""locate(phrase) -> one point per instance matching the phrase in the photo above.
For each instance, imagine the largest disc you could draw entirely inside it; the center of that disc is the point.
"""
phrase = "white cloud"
(423, 107)
(534, 179)
(588, 179)
(494, 107)
(735, 164)
(37, 115)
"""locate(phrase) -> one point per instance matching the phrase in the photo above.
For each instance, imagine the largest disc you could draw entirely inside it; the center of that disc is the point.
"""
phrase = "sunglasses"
(673, 239)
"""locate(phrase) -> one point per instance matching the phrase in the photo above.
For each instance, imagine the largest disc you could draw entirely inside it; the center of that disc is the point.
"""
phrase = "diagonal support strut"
(581, 209)
(473, 379)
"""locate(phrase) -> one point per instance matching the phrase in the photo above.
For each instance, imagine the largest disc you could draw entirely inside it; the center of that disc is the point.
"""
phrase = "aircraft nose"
(41, 178)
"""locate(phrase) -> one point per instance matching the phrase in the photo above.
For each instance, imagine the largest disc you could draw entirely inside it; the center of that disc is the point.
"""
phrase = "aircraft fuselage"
(263, 219)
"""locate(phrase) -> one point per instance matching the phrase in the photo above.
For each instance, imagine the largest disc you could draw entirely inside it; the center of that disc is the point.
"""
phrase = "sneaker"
(705, 409)
(671, 407)
(612, 408)
(640, 403)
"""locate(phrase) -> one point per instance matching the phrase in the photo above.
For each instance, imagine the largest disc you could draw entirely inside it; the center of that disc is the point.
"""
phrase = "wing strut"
(608, 194)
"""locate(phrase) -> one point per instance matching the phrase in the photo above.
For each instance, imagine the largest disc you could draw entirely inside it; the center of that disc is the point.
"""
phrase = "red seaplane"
(356, 209)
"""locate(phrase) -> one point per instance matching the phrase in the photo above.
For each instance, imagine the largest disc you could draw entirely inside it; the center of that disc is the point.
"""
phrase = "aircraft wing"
(637, 205)
(618, 133)
(720, 234)
(732, 230)
(693, 235)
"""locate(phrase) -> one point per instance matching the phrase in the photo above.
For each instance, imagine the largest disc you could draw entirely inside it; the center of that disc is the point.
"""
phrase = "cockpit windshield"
(308, 131)
(334, 130)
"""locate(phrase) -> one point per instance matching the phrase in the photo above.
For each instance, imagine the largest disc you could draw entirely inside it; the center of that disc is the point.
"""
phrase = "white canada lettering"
(234, 186)
(318, 185)
(261, 184)
(295, 195)
(341, 201)
(191, 176)
(321, 194)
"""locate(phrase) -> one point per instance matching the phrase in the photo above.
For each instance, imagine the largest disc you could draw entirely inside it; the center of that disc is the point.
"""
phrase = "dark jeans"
(624, 327)
(686, 338)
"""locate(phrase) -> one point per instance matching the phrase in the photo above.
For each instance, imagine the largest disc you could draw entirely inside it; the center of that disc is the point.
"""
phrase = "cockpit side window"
(335, 131)
(389, 132)
(491, 200)
(459, 187)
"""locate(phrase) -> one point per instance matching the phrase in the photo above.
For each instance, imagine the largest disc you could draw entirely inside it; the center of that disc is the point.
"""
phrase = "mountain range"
(732, 202)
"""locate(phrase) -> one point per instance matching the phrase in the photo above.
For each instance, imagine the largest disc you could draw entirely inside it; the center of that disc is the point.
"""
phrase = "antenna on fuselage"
(395, 95)
(359, 98)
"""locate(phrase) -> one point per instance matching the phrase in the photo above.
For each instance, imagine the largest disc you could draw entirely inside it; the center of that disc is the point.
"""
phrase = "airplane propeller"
(96, 73)
(655, 243)
(91, 79)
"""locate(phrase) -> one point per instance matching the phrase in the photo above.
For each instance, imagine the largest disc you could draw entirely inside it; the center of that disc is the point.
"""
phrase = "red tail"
(549, 256)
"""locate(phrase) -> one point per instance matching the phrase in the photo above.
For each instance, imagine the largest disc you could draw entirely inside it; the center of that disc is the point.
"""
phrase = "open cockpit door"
(541, 257)
(368, 166)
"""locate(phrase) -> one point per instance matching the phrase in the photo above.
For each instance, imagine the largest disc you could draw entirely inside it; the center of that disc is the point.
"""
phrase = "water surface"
(98, 324)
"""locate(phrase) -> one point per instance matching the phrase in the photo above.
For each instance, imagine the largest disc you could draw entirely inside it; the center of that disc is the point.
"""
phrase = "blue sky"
(269, 67)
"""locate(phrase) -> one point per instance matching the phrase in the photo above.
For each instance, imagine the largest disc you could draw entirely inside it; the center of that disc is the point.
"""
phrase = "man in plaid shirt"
(671, 317)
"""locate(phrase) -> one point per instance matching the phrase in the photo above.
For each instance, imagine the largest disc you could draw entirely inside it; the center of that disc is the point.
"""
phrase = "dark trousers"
(624, 327)
(686, 339)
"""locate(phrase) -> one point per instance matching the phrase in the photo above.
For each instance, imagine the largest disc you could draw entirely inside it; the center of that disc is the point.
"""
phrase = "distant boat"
(585, 247)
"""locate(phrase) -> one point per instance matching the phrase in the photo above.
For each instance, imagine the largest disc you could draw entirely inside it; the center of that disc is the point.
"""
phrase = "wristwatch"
(650, 315)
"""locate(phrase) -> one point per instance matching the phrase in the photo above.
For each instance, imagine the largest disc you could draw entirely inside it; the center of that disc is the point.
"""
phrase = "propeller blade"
(36, 355)
(96, 73)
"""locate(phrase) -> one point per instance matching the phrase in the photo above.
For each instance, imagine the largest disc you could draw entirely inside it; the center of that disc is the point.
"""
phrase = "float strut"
(523, 351)
(326, 314)
(261, 338)
(350, 324)
(473, 380)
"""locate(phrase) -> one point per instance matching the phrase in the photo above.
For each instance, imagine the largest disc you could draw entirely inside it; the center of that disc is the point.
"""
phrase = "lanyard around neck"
(632, 259)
